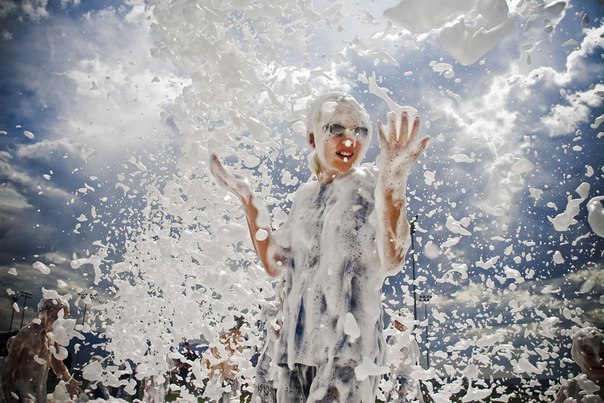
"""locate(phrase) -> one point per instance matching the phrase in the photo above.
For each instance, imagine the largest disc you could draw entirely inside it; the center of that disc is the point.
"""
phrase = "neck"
(326, 177)
(46, 323)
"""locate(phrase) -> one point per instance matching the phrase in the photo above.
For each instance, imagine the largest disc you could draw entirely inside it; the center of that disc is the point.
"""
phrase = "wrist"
(394, 183)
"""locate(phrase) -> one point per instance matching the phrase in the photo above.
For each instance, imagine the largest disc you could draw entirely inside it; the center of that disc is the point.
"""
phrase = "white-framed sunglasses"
(337, 130)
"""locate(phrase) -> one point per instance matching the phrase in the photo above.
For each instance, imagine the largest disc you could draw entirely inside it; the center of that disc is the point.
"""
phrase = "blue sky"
(125, 101)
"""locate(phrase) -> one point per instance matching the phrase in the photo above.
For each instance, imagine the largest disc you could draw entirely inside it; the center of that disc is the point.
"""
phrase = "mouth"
(344, 155)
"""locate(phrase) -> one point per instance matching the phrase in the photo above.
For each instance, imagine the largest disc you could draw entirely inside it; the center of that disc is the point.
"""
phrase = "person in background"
(221, 361)
(32, 354)
(588, 352)
(403, 355)
(265, 390)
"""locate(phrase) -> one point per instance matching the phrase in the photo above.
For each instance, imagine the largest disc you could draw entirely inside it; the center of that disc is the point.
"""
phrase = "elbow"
(393, 265)
(273, 272)
(394, 260)
(404, 248)
(273, 267)
(274, 261)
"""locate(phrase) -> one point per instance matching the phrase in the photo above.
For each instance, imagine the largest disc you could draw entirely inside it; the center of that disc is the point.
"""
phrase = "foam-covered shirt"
(333, 269)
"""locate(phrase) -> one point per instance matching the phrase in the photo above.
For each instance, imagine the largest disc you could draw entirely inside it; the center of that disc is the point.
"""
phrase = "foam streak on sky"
(128, 120)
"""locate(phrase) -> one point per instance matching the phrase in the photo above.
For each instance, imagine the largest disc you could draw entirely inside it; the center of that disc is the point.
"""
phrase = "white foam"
(41, 267)
(351, 327)
(595, 215)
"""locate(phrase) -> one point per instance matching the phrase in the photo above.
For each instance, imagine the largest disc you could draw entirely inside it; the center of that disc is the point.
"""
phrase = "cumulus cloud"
(30, 9)
(29, 183)
(11, 198)
(566, 118)
(104, 90)
(47, 149)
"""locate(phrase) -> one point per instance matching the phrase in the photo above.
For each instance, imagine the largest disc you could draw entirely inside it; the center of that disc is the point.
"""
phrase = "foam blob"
(41, 267)
(421, 16)
(467, 44)
(595, 215)
(351, 327)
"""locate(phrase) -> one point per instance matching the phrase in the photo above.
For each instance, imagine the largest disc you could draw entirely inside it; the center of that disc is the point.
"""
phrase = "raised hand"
(399, 147)
(236, 184)
(399, 150)
(260, 230)
(73, 387)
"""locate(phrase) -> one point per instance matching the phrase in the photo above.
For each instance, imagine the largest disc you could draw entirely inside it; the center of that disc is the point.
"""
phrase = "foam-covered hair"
(319, 114)
(47, 304)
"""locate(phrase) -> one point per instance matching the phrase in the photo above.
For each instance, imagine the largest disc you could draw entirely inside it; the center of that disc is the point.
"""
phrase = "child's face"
(592, 357)
(341, 142)
(53, 314)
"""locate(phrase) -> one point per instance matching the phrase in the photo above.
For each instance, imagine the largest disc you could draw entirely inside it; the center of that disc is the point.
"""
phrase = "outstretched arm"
(399, 150)
(257, 219)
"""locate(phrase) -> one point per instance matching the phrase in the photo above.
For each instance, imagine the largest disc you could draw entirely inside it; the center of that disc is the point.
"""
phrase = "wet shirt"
(333, 270)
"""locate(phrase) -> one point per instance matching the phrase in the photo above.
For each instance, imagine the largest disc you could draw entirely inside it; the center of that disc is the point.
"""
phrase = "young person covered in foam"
(346, 232)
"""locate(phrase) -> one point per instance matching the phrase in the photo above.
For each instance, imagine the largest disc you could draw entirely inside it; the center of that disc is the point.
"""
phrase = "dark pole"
(427, 342)
(413, 267)
(425, 298)
(25, 295)
(12, 315)
(83, 296)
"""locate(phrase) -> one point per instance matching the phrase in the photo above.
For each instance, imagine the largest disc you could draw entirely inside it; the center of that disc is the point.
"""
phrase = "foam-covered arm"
(399, 150)
(61, 371)
(258, 219)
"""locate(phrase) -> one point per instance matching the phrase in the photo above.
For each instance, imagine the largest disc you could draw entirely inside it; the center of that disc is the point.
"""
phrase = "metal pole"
(425, 298)
(84, 315)
(413, 268)
(25, 295)
(427, 342)
(12, 315)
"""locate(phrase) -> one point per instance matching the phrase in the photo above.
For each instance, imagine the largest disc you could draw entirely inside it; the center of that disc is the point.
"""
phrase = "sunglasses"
(338, 130)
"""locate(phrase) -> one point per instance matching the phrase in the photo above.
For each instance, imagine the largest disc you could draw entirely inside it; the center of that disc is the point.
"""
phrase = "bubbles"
(41, 267)
(595, 216)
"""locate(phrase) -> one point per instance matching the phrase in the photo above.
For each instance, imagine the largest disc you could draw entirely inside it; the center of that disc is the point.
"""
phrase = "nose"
(350, 140)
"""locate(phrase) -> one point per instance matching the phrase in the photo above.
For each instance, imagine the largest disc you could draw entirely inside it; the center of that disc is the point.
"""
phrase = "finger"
(221, 175)
(404, 130)
(414, 130)
(216, 166)
(421, 147)
(382, 139)
(392, 126)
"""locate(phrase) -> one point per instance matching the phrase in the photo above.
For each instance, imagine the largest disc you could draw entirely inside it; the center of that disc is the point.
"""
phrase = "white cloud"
(565, 119)
(10, 198)
(7, 8)
(116, 103)
(46, 149)
(109, 97)
(34, 10)
(18, 175)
